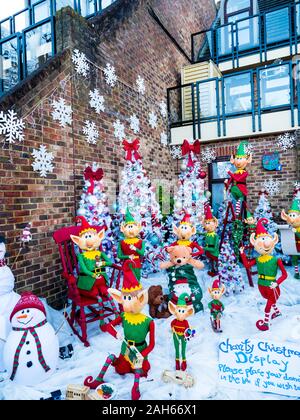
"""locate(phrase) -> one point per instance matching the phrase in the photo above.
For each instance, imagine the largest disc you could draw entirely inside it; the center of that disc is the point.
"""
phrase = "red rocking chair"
(84, 309)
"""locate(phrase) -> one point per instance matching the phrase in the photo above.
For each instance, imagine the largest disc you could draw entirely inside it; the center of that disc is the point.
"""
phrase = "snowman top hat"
(28, 300)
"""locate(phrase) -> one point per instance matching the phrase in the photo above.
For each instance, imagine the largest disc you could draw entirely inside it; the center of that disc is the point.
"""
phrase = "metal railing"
(250, 93)
(258, 34)
(27, 38)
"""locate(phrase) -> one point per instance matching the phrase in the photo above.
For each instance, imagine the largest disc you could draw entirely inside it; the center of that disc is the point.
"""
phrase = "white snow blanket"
(241, 313)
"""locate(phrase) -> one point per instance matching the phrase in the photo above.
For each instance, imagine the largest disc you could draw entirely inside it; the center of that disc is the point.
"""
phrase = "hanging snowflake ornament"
(110, 75)
(62, 112)
(11, 127)
(140, 83)
(163, 109)
(81, 64)
(134, 124)
(91, 132)
(271, 186)
(42, 161)
(176, 152)
(96, 101)
(208, 155)
(286, 141)
(249, 149)
(119, 130)
(164, 139)
(223, 168)
(152, 120)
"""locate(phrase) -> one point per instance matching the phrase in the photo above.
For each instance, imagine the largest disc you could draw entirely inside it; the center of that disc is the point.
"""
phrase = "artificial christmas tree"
(229, 270)
(138, 196)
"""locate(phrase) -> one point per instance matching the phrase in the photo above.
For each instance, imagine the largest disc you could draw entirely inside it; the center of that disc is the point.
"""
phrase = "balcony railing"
(252, 94)
(258, 34)
(27, 39)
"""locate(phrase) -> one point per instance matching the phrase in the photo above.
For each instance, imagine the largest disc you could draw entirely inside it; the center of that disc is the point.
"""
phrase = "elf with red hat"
(212, 241)
(92, 280)
(267, 267)
(184, 232)
(216, 306)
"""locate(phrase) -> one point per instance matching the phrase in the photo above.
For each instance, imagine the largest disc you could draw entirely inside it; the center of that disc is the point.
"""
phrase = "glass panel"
(275, 86)
(208, 99)
(204, 45)
(87, 7)
(277, 26)
(5, 29)
(220, 169)
(224, 40)
(298, 18)
(9, 61)
(41, 11)
(233, 19)
(237, 91)
(106, 3)
(22, 21)
(38, 46)
(248, 33)
(64, 3)
(217, 196)
(234, 6)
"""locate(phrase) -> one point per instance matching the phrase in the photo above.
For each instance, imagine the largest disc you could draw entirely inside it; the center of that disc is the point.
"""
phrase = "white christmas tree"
(263, 210)
(94, 204)
(138, 195)
(229, 270)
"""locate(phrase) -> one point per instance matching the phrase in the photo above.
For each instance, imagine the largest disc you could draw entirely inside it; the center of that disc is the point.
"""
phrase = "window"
(238, 93)
(275, 86)
(277, 26)
(217, 175)
(237, 9)
(38, 44)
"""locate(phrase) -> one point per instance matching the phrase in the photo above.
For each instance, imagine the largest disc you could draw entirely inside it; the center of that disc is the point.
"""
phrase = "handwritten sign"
(260, 365)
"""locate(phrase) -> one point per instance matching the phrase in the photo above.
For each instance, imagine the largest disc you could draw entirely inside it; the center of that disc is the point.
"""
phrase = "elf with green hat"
(251, 222)
(293, 219)
(212, 240)
(132, 248)
(237, 181)
(182, 308)
(267, 267)
(184, 232)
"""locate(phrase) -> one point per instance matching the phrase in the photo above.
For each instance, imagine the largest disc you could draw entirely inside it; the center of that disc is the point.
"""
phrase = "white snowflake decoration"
(140, 82)
(42, 161)
(176, 152)
(152, 119)
(110, 75)
(62, 112)
(223, 170)
(164, 139)
(286, 141)
(119, 129)
(271, 186)
(163, 109)
(249, 149)
(81, 64)
(11, 127)
(297, 185)
(96, 101)
(91, 132)
(208, 155)
(134, 124)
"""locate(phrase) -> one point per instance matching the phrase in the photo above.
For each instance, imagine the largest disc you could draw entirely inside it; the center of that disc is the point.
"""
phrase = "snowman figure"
(31, 351)
(8, 298)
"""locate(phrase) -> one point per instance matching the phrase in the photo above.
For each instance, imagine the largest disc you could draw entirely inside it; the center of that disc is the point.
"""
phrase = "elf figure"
(182, 308)
(216, 306)
(267, 267)
(251, 222)
(293, 219)
(92, 279)
(184, 232)
(212, 241)
(134, 353)
(132, 248)
(237, 181)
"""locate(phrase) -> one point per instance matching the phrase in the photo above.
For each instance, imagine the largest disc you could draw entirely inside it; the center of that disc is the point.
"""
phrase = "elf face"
(132, 302)
(240, 162)
(250, 221)
(89, 240)
(216, 294)
(184, 231)
(131, 230)
(210, 225)
(292, 218)
(181, 312)
(264, 244)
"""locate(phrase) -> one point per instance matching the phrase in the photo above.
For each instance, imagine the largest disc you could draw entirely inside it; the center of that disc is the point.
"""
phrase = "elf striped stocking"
(135, 392)
(101, 310)
(113, 305)
(267, 318)
(276, 312)
(296, 269)
(109, 361)
(238, 207)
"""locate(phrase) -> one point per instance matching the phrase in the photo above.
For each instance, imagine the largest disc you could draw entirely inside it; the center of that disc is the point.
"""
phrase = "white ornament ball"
(81, 212)
(93, 200)
(178, 205)
(183, 167)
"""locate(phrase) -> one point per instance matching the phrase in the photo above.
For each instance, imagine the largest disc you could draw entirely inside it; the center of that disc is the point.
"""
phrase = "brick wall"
(128, 37)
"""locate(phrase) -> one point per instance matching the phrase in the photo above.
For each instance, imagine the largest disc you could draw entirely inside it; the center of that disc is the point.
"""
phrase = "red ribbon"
(188, 148)
(131, 149)
(92, 176)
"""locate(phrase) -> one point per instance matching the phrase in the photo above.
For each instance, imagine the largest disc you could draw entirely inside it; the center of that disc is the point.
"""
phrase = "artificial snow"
(241, 313)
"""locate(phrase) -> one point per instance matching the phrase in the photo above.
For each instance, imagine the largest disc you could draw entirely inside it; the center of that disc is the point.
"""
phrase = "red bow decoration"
(92, 176)
(188, 148)
(131, 149)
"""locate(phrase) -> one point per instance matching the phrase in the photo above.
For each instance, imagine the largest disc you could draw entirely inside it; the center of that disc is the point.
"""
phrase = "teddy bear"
(158, 303)
(182, 278)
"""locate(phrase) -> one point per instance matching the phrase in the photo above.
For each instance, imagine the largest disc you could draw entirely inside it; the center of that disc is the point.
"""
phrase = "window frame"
(229, 15)
(215, 181)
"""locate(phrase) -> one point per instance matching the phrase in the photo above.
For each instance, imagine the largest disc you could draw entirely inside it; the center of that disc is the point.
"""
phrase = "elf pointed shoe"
(177, 364)
(91, 383)
(276, 315)
(183, 366)
(262, 326)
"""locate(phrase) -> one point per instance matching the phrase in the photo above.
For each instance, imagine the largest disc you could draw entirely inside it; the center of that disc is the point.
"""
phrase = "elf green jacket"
(88, 270)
